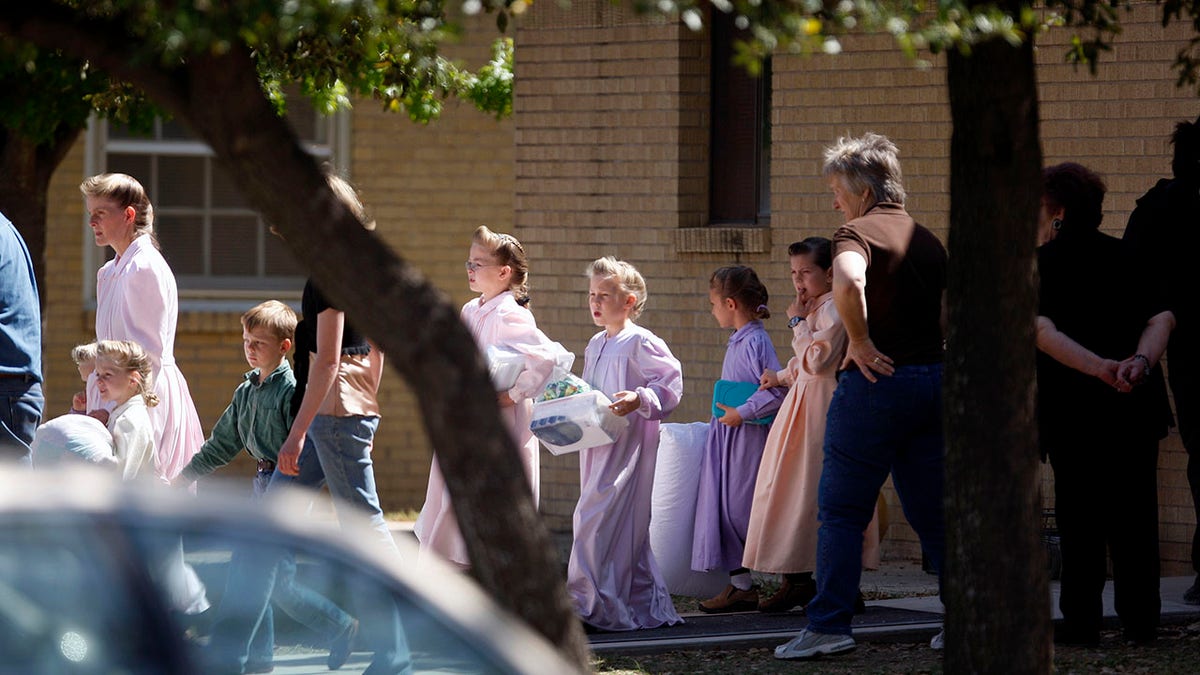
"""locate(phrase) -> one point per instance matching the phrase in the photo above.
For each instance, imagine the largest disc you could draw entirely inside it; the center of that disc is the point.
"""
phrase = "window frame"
(204, 292)
(731, 172)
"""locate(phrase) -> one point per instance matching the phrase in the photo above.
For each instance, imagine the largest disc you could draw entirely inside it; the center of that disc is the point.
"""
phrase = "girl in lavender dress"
(734, 447)
(612, 577)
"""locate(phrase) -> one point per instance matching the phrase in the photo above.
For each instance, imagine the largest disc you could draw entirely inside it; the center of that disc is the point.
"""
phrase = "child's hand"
(810, 305)
(100, 414)
(797, 306)
(625, 402)
(731, 418)
(79, 402)
(769, 380)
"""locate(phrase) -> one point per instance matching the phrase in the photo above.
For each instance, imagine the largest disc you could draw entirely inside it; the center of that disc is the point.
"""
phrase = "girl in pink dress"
(782, 536)
(136, 299)
(498, 270)
(612, 577)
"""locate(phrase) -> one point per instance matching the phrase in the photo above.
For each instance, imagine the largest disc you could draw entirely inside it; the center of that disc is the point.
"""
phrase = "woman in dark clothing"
(1102, 407)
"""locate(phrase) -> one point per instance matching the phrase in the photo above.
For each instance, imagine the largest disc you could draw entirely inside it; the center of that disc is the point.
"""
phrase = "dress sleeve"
(825, 341)
(765, 402)
(144, 309)
(663, 375)
(518, 331)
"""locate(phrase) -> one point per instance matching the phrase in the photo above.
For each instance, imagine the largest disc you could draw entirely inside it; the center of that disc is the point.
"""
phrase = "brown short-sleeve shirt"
(906, 275)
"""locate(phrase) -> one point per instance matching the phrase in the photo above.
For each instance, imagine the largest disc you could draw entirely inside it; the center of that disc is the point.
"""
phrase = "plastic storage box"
(573, 423)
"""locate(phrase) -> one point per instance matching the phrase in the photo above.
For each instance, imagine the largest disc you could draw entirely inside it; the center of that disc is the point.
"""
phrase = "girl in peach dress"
(782, 536)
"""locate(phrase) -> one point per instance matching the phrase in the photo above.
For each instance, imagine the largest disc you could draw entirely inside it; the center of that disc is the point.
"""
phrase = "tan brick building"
(609, 154)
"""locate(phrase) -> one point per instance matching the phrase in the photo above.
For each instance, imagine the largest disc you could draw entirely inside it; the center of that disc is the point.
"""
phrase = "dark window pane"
(180, 182)
(303, 117)
(739, 151)
(225, 194)
(280, 261)
(137, 166)
(182, 239)
(234, 246)
(118, 131)
(175, 131)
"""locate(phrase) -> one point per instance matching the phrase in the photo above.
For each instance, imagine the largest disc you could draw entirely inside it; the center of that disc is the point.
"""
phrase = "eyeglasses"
(475, 267)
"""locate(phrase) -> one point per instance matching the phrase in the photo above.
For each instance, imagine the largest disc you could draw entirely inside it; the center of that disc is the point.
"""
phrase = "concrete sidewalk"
(912, 613)
(910, 618)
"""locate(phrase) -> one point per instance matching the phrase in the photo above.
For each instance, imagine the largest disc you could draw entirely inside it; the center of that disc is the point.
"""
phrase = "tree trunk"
(383, 296)
(996, 594)
(27, 168)
(510, 548)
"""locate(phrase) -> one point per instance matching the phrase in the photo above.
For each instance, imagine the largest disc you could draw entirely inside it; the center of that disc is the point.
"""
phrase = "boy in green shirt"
(258, 419)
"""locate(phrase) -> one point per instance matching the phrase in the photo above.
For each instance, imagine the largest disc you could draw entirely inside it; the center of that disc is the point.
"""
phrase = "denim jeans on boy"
(244, 626)
(21, 405)
(343, 445)
(891, 426)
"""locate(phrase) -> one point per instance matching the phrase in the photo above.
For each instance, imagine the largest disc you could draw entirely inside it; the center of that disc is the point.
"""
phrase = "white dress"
(132, 435)
(499, 321)
(136, 299)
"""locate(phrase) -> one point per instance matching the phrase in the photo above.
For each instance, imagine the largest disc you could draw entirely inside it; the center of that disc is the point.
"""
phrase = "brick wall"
(607, 155)
(611, 129)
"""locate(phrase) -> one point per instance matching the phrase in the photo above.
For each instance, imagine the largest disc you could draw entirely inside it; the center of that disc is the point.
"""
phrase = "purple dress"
(612, 577)
(732, 456)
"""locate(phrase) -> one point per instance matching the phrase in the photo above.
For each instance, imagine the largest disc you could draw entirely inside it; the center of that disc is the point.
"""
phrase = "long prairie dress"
(136, 299)
(614, 581)
(499, 321)
(782, 536)
(732, 455)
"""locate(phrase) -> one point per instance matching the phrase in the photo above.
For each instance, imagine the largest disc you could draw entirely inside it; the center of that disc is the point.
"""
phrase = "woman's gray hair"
(867, 163)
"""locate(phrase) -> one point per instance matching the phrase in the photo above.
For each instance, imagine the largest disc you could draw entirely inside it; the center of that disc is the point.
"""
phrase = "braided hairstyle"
(508, 252)
(743, 285)
(129, 356)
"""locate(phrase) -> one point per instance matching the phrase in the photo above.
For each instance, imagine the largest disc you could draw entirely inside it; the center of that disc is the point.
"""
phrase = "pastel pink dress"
(612, 577)
(499, 321)
(136, 299)
(782, 535)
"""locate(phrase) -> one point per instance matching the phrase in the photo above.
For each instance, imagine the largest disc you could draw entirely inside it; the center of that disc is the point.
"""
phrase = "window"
(217, 245)
(740, 151)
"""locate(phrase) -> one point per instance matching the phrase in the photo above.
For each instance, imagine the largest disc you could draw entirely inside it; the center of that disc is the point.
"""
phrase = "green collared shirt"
(258, 419)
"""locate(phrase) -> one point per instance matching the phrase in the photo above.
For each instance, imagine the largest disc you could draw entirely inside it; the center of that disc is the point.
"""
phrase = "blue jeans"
(244, 625)
(343, 444)
(21, 404)
(873, 429)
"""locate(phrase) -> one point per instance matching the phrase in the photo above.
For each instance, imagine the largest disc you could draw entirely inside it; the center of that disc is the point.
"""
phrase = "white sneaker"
(939, 641)
(809, 645)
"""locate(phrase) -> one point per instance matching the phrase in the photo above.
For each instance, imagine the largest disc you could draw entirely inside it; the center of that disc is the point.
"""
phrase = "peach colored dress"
(782, 536)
